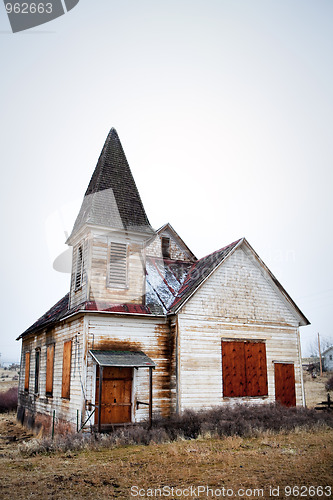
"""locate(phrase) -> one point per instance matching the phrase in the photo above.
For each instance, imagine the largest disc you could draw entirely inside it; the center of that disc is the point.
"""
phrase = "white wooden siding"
(80, 295)
(176, 252)
(41, 404)
(142, 334)
(99, 289)
(236, 302)
(239, 291)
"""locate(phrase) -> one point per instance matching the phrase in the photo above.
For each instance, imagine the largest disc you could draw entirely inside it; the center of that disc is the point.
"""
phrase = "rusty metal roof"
(135, 359)
(169, 284)
(61, 311)
(52, 316)
(164, 278)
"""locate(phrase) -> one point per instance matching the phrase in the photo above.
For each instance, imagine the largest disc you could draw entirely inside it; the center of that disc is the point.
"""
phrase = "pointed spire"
(112, 198)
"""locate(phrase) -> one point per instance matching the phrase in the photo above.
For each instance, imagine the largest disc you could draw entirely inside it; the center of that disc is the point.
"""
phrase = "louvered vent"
(79, 268)
(118, 265)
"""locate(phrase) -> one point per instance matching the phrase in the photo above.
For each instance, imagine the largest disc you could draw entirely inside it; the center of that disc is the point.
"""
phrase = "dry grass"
(296, 458)
(315, 391)
(8, 400)
(8, 379)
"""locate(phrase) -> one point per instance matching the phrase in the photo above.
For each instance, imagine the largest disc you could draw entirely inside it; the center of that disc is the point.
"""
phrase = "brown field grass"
(315, 391)
(8, 379)
(301, 457)
(270, 460)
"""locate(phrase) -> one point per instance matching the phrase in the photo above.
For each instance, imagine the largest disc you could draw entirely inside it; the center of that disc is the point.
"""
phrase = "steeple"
(112, 198)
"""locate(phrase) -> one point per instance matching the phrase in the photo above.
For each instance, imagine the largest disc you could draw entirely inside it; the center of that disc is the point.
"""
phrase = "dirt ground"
(270, 461)
(315, 391)
(303, 458)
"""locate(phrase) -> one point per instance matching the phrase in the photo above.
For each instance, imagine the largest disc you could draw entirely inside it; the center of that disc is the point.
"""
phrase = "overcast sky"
(225, 112)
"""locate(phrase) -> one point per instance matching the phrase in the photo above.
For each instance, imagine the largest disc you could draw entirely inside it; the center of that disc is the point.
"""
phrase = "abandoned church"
(147, 328)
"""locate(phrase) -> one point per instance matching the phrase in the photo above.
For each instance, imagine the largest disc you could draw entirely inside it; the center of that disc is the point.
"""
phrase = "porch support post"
(150, 396)
(100, 397)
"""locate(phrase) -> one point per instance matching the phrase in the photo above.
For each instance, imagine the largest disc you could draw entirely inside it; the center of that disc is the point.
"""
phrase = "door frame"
(98, 372)
(285, 363)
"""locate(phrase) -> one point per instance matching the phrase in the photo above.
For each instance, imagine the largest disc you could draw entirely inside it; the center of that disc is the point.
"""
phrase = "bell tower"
(110, 235)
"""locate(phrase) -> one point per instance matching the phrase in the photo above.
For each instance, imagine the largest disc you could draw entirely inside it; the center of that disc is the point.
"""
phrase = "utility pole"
(320, 363)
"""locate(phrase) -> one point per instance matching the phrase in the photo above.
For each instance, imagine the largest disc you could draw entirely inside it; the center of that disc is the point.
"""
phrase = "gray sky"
(225, 112)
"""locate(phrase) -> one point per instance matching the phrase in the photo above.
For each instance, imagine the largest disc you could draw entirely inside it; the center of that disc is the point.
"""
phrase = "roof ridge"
(101, 158)
(220, 250)
(187, 289)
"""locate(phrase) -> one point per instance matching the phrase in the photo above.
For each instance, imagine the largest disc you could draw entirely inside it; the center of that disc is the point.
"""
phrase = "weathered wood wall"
(149, 335)
(98, 283)
(154, 249)
(40, 404)
(237, 302)
(80, 295)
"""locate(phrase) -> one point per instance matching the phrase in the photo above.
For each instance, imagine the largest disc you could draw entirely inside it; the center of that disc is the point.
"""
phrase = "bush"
(329, 384)
(239, 420)
(8, 400)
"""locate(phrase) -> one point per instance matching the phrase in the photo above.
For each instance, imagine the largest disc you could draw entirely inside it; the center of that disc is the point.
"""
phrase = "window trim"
(109, 283)
(37, 370)
(79, 268)
(165, 254)
(49, 369)
(245, 391)
(27, 371)
(66, 370)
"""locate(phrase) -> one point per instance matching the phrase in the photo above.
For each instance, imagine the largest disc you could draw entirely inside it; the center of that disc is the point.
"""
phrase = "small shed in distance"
(327, 358)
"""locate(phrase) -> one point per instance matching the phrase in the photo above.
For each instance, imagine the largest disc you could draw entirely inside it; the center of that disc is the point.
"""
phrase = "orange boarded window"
(27, 371)
(49, 369)
(66, 370)
(244, 369)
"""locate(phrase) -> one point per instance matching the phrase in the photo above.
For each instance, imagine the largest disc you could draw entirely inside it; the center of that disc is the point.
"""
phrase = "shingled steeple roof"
(112, 198)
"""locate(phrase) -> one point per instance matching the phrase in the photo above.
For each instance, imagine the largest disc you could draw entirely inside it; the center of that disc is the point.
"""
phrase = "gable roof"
(169, 229)
(112, 198)
(204, 267)
(303, 319)
(327, 350)
(198, 273)
(170, 284)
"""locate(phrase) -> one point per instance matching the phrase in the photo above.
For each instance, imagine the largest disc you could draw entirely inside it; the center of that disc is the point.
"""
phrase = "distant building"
(327, 359)
(147, 328)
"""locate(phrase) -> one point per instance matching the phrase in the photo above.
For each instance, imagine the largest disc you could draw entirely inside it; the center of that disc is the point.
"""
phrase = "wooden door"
(116, 395)
(285, 384)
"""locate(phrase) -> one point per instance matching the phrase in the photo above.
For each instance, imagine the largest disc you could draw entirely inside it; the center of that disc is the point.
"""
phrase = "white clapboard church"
(147, 328)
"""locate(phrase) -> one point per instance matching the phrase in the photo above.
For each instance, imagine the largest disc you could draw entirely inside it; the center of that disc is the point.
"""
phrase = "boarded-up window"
(49, 369)
(66, 370)
(244, 369)
(27, 371)
(166, 247)
(79, 268)
(118, 265)
(37, 365)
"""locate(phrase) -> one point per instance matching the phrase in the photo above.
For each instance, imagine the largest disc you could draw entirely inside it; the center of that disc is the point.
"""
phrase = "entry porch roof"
(134, 359)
